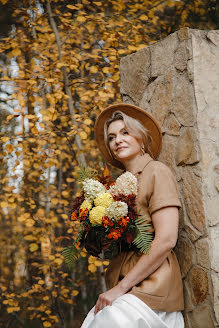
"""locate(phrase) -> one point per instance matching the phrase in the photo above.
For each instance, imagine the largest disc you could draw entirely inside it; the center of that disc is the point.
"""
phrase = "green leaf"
(85, 173)
(145, 235)
(71, 253)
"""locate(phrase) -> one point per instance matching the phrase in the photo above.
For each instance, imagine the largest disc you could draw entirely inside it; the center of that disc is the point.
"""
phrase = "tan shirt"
(162, 290)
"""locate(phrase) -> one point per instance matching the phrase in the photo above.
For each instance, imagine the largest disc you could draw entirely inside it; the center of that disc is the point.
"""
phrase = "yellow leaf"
(93, 69)
(29, 237)
(10, 309)
(29, 223)
(81, 19)
(40, 282)
(92, 268)
(4, 204)
(33, 247)
(54, 201)
(98, 263)
(83, 135)
(106, 70)
(75, 292)
(143, 17)
(5, 139)
(59, 65)
(58, 261)
(9, 148)
(88, 121)
(15, 52)
(47, 324)
(106, 262)
(83, 254)
(65, 193)
(46, 298)
(72, 7)
(132, 48)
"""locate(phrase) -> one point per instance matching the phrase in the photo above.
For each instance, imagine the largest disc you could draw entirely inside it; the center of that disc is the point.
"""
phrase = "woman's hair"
(133, 126)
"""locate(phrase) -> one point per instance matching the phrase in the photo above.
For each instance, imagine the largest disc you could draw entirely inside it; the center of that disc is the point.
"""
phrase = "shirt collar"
(140, 164)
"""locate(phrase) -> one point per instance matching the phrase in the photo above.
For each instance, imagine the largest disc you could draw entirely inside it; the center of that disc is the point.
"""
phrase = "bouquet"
(108, 219)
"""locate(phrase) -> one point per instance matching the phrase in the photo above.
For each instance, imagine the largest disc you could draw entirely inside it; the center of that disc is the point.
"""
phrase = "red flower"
(73, 216)
(123, 221)
(114, 234)
(83, 214)
(107, 222)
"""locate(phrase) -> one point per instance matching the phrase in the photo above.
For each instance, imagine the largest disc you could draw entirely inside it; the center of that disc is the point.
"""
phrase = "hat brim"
(137, 113)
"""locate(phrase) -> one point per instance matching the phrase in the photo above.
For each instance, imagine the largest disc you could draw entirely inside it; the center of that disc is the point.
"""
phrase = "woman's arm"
(165, 223)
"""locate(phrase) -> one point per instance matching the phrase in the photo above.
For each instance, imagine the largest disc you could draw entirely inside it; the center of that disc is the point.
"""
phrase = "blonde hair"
(133, 126)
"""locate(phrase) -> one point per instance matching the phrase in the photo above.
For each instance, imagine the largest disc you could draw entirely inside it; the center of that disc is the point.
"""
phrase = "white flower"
(92, 188)
(117, 210)
(126, 184)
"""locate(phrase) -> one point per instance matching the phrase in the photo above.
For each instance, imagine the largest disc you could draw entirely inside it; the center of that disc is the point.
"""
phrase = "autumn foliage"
(59, 69)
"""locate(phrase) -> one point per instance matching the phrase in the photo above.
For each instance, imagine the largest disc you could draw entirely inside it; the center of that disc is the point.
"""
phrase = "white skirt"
(130, 312)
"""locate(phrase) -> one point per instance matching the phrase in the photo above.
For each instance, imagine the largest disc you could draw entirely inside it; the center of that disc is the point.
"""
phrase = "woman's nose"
(118, 138)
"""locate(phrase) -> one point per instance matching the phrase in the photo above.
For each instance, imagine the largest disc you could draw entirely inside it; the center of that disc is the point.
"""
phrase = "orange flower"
(107, 222)
(123, 221)
(83, 213)
(114, 234)
(74, 216)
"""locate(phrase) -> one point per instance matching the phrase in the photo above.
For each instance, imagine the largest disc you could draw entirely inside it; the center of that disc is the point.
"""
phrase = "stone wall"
(177, 81)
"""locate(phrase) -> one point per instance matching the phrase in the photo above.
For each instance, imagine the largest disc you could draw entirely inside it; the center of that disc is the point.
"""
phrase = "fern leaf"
(85, 173)
(71, 253)
(144, 236)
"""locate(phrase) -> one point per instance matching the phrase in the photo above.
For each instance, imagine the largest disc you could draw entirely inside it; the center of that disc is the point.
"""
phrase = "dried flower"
(92, 188)
(85, 205)
(107, 222)
(126, 184)
(117, 210)
(104, 200)
(96, 214)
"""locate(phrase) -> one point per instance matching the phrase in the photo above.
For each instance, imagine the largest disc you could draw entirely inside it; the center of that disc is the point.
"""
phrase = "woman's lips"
(120, 148)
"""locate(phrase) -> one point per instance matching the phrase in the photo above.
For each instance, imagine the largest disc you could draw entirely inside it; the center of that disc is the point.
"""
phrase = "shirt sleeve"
(164, 189)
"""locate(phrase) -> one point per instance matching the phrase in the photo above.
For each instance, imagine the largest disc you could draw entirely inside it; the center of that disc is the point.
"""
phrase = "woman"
(144, 290)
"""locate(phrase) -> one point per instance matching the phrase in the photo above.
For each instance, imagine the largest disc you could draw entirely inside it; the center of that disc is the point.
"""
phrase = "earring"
(142, 150)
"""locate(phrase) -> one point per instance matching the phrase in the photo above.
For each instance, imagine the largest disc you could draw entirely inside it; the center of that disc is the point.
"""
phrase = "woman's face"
(122, 145)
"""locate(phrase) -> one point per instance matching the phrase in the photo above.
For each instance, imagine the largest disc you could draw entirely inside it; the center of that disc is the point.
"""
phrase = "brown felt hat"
(137, 113)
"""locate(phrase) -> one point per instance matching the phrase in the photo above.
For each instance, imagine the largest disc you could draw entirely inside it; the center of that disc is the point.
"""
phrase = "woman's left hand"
(108, 297)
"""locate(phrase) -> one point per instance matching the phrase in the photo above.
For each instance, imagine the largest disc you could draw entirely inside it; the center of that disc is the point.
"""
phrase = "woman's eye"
(125, 132)
(110, 139)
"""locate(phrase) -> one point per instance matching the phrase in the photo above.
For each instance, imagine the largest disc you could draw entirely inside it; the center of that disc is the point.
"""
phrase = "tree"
(65, 56)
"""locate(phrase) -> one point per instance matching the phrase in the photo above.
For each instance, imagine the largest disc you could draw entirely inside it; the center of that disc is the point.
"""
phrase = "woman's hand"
(108, 297)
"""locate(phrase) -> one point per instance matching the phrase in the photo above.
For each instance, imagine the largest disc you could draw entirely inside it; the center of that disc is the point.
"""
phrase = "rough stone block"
(134, 78)
(202, 252)
(193, 233)
(187, 147)
(183, 33)
(214, 234)
(180, 58)
(215, 279)
(199, 285)
(192, 191)
(187, 297)
(201, 317)
(161, 98)
(167, 154)
(171, 126)
(185, 254)
(183, 101)
(162, 55)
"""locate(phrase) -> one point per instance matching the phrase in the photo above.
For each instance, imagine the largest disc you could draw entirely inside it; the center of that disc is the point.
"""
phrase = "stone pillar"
(177, 81)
